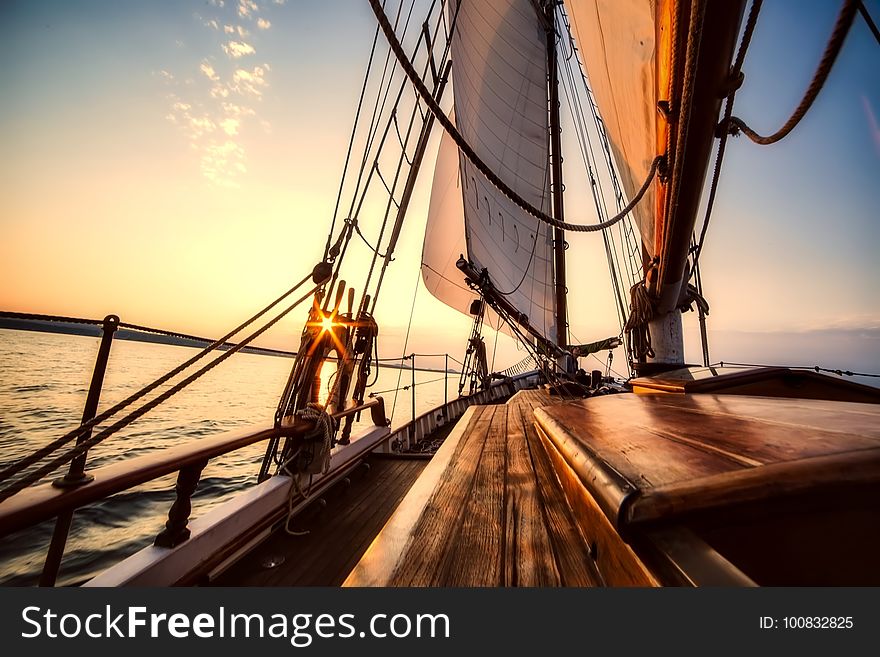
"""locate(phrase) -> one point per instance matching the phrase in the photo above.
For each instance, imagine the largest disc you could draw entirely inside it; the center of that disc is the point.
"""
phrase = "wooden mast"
(556, 178)
(695, 103)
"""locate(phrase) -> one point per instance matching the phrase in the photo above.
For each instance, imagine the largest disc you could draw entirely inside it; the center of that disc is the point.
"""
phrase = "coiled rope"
(641, 312)
(471, 155)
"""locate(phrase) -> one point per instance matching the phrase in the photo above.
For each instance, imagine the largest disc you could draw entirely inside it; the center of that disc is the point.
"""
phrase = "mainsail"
(499, 75)
(616, 39)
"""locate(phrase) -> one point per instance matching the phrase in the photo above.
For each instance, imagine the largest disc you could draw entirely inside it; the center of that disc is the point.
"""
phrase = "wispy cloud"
(236, 29)
(873, 128)
(236, 49)
(209, 71)
(247, 7)
(250, 82)
(214, 102)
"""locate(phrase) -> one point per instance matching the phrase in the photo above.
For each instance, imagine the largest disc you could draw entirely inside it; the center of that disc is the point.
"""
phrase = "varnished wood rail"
(44, 501)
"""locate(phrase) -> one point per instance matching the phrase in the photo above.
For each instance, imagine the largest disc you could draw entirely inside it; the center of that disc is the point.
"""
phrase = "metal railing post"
(413, 388)
(445, 384)
(76, 475)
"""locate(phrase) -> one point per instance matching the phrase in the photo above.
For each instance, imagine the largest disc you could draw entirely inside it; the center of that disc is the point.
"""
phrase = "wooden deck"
(488, 511)
(642, 490)
(338, 532)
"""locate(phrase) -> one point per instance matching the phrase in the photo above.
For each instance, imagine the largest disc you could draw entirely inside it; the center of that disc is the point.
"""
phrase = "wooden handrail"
(45, 501)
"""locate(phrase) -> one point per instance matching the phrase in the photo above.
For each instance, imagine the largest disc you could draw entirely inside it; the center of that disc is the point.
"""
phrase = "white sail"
(616, 39)
(500, 86)
(444, 233)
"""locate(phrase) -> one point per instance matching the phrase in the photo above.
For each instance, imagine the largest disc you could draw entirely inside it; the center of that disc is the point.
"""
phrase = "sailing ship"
(695, 475)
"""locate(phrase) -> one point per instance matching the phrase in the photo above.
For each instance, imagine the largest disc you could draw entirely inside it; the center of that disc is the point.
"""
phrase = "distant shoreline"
(92, 330)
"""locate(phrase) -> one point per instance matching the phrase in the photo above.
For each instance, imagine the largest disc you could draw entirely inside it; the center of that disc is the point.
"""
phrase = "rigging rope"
(585, 143)
(835, 43)
(815, 368)
(475, 159)
(84, 446)
(735, 80)
(406, 342)
(869, 21)
(41, 453)
(407, 387)
(357, 116)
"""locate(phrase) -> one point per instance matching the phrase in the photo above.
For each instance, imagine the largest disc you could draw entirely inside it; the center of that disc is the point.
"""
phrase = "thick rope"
(323, 430)
(835, 43)
(735, 82)
(475, 159)
(641, 312)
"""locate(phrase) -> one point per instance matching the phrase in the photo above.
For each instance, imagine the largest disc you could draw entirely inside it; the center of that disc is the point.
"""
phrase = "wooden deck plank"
(476, 557)
(527, 539)
(374, 517)
(438, 524)
(494, 517)
(350, 524)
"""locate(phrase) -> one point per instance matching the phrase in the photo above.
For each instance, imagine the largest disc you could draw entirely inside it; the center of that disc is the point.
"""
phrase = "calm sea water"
(44, 379)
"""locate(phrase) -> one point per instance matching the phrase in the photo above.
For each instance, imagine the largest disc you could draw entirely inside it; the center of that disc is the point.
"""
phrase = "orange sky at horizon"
(114, 200)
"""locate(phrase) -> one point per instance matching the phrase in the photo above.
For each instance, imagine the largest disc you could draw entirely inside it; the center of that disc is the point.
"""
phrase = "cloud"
(247, 7)
(232, 109)
(237, 49)
(236, 29)
(219, 91)
(222, 161)
(873, 128)
(209, 71)
(250, 82)
(212, 99)
(230, 126)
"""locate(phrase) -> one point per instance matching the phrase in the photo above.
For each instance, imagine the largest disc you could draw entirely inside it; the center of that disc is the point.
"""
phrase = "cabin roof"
(655, 457)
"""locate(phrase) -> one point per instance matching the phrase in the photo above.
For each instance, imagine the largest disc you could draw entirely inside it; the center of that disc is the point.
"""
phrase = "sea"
(44, 380)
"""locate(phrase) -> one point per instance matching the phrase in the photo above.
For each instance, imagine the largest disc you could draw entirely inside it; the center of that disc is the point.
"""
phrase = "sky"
(177, 163)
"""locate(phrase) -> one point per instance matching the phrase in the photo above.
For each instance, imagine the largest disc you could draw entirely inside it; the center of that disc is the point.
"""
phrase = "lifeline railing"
(78, 488)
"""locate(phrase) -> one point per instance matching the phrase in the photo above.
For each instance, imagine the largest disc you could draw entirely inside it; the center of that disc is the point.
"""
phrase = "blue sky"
(123, 149)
